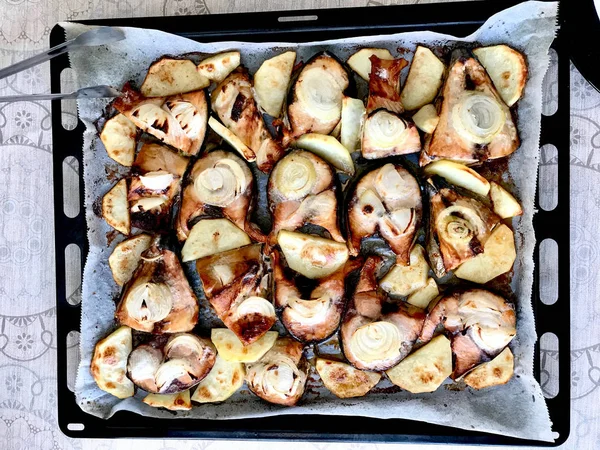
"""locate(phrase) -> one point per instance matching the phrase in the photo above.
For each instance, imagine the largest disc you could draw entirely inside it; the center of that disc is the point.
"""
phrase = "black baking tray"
(459, 19)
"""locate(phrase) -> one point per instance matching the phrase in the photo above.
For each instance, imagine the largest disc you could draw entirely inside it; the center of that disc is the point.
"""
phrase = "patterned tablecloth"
(27, 301)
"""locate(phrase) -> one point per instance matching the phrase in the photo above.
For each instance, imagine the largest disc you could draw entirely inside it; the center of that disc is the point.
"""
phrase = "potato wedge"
(109, 363)
(425, 295)
(115, 207)
(353, 112)
(493, 373)
(235, 142)
(156, 157)
(223, 380)
(507, 69)
(337, 130)
(172, 402)
(426, 118)
(497, 258)
(504, 204)
(211, 236)
(404, 280)
(119, 136)
(271, 82)
(312, 256)
(125, 257)
(343, 380)
(459, 175)
(231, 348)
(217, 67)
(424, 79)
(169, 76)
(328, 148)
(361, 64)
(425, 369)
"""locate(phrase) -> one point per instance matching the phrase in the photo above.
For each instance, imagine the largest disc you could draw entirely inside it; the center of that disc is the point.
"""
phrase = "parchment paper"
(516, 409)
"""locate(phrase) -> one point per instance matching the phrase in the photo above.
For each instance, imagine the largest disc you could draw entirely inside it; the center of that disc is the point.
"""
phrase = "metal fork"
(87, 92)
(96, 36)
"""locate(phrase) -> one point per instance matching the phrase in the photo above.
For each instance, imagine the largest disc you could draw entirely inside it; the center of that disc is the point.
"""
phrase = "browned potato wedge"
(360, 62)
(312, 256)
(231, 348)
(353, 112)
(497, 258)
(343, 380)
(507, 69)
(223, 380)
(425, 295)
(125, 257)
(172, 402)
(459, 175)
(211, 236)
(156, 157)
(109, 363)
(232, 139)
(337, 130)
(425, 369)
(404, 280)
(115, 207)
(496, 372)
(424, 79)
(169, 76)
(504, 204)
(217, 67)
(426, 118)
(119, 138)
(328, 148)
(271, 82)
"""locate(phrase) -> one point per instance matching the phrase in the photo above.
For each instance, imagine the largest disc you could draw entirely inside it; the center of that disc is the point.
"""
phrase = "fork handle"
(37, 59)
(79, 94)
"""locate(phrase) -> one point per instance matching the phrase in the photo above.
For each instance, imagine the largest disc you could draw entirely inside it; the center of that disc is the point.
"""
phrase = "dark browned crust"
(384, 84)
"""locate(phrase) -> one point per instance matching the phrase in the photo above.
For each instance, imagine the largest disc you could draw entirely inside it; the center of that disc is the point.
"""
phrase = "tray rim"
(75, 227)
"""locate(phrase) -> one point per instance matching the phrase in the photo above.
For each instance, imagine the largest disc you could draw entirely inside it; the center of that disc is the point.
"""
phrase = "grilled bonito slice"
(234, 284)
(171, 365)
(219, 183)
(154, 186)
(481, 324)
(233, 101)
(384, 84)
(317, 317)
(179, 120)
(280, 375)
(316, 105)
(475, 124)
(302, 190)
(371, 339)
(385, 201)
(158, 298)
(387, 134)
(460, 225)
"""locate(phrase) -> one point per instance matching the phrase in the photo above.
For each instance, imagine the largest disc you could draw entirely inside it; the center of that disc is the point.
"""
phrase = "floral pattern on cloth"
(28, 398)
